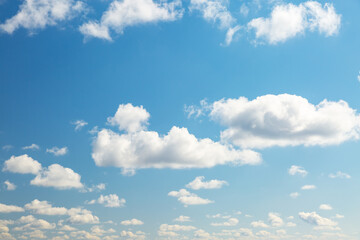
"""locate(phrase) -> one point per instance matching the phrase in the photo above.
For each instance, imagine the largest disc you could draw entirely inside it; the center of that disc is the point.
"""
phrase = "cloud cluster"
(122, 14)
(55, 175)
(33, 15)
(147, 149)
(289, 20)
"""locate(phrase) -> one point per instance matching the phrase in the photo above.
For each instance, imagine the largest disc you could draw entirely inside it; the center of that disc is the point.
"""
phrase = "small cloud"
(133, 221)
(198, 183)
(339, 174)
(32, 147)
(325, 207)
(308, 187)
(229, 223)
(10, 186)
(339, 216)
(187, 198)
(111, 200)
(79, 124)
(182, 219)
(297, 170)
(7, 147)
(294, 195)
(57, 151)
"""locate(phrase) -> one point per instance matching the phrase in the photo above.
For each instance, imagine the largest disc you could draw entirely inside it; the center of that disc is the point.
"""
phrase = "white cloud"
(22, 164)
(176, 227)
(182, 218)
(308, 187)
(259, 224)
(339, 174)
(45, 208)
(81, 216)
(339, 216)
(98, 187)
(33, 223)
(7, 147)
(111, 200)
(79, 124)
(244, 10)
(32, 147)
(294, 195)
(315, 219)
(188, 198)
(198, 183)
(275, 219)
(297, 170)
(229, 223)
(39, 14)
(230, 34)
(218, 215)
(126, 13)
(58, 177)
(325, 207)
(285, 120)
(10, 208)
(133, 221)
(177, 150)
(289, 20)
(9, 185)
(291, 224)
(58, 151)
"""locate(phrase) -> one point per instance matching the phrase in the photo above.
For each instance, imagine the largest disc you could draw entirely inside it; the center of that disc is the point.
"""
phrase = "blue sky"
(196, 119)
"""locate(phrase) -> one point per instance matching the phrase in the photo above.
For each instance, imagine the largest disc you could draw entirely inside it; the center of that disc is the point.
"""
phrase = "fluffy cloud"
(79, 124)
(81, 216)
(32, 147)
(33, 223)
(198, 183)
(325, 207)
(182, 219)
(111, 200)
(187, 198)
(10, 208)
(297, 170)
(177, 150)
(315, 219)
(275, 220)
(308, 187)
(39, 14)
(289, 20)
(45, 208)
(130, 118)
(58, 177)
(126, 13)
(133, 221)
(339, 174)
(9, 185)
(58, 151)
(22, 164)
(285, 120)
(229, 223)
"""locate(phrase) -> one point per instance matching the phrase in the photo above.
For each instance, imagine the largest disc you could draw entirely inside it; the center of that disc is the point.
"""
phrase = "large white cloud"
(177, 150)
(125, 13)
(58, 177)
(198, 183)
(22, 164)
(188, 198)
(289, 20)
(285, 120)
(38, 14)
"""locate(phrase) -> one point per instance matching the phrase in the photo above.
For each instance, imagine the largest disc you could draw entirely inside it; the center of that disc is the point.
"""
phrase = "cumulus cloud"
(45, 208)
(285, 120)
(339, 174)
(198, 183)
(22, 164)
(187, 198)
(111, 200)
(126, 13)
(325, 207)
(229, 223)
(10, 208)
(182, 218)
(275, 219)
(177, 150)
(81, 216)
(289, 20)
(58, 151)
(133, 221)
(79, 124)
(308, 187)
(315, 219)
(58, 177)
(33, 15)
(32, 147)
(33, 223)
(9, 185)
(297, 170)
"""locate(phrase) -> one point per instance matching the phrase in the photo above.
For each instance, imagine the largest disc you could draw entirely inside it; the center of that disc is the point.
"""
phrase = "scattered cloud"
(79, 124)
(198, 183)
(325, 207)
(9, 185)
(182, 218)
(58, 151)
(308, 187)
(177, 150)
(289, 20)
(297, 170)
(339, 174)
(285, 120)
(10, 208)
(133, 222)
(22, 164)
(32, 147)
(188, 198)
(34, 15)
(229, 223)
(111, 200)
(127, 13)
